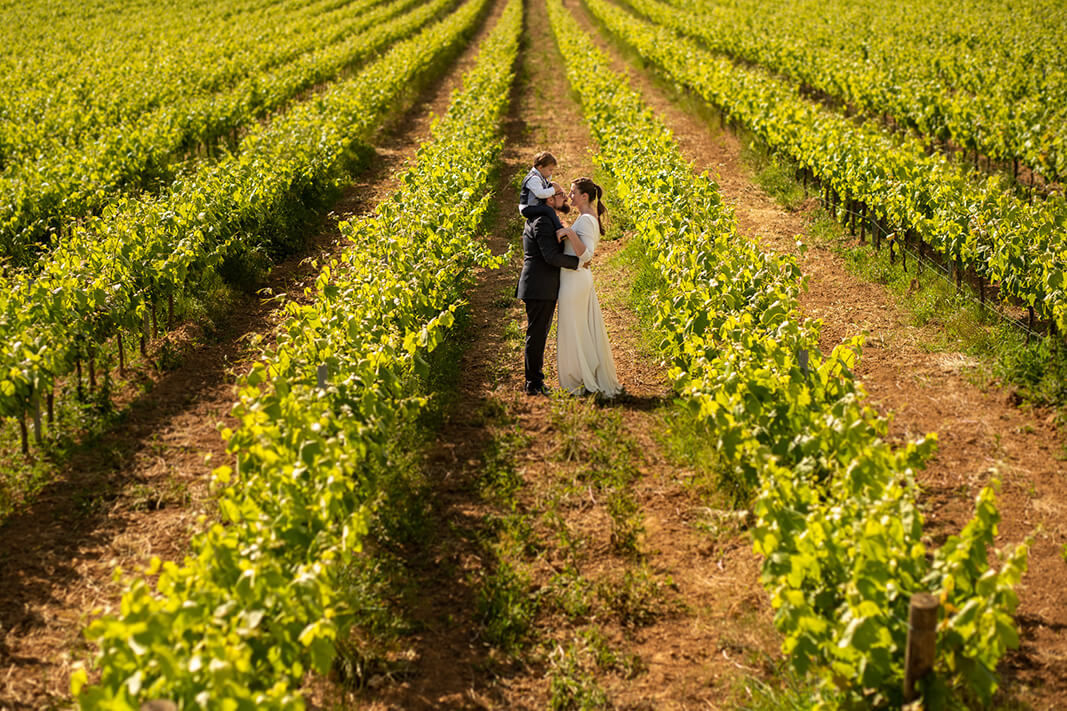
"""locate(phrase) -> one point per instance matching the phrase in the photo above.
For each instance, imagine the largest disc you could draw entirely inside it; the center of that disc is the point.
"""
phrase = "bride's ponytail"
(595, 193)
(601, 209)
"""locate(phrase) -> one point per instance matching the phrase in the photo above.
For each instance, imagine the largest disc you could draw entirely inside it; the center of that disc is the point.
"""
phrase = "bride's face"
(578, 199)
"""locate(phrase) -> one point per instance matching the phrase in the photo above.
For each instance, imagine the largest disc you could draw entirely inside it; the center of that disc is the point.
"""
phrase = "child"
(536, 188)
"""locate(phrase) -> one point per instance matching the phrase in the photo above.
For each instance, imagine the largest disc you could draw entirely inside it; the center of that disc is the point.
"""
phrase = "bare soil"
(139, 489)
(982, 434)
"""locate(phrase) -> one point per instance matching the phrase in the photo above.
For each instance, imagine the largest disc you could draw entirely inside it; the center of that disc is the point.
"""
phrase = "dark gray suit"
(538, 286)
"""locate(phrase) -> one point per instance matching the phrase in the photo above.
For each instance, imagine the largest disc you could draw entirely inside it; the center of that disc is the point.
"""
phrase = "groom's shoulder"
(537, 224)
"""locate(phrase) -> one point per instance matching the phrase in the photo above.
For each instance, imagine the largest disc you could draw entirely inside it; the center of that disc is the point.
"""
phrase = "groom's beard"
(564, 208)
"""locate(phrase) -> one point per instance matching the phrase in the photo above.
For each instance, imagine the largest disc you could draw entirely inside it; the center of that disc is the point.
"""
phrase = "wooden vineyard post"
(25, 435)
(122, 354)
(51, 405)
(38, 437)
(107, 387)
(863, 223)
(959, 274)
(92, 372)
(922, 639)
(78, 366)
(170, 312)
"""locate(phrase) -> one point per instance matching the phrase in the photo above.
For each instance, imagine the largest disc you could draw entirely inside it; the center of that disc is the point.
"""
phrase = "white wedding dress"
(582, 348)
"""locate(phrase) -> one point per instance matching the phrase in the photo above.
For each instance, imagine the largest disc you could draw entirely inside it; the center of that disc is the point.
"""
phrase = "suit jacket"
(543, 257)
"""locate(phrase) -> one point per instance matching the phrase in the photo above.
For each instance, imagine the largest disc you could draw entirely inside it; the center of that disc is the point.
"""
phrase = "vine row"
(981, 227)
(108, 278)
(835, 506)
(41, 196)
(990, 80)
(262, 599)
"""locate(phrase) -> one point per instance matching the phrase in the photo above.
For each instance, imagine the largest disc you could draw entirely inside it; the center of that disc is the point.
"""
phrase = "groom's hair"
(544, 158)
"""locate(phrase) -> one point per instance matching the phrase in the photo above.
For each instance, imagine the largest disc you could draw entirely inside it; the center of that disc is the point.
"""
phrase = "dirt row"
(140, 488)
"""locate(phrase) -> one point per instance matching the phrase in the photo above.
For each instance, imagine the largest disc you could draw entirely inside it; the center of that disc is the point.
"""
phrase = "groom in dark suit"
(539, 286)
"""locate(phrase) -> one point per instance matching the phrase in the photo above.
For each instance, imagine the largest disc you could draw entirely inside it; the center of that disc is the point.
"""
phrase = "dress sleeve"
(587, 232)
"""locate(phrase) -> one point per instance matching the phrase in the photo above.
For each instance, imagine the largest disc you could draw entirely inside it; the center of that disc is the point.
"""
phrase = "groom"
(539, 286)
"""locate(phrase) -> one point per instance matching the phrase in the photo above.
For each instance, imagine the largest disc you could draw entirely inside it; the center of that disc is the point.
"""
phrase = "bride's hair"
(595, 193)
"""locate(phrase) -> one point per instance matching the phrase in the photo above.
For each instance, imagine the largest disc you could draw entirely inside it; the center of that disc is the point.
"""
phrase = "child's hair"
(595, 194)
(544, 158)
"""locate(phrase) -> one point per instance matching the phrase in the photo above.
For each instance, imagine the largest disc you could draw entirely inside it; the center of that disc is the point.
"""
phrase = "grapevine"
(836, 517)
(260, 602)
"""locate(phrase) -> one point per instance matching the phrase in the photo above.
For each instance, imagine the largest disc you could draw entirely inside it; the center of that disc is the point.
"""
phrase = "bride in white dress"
(585, 361)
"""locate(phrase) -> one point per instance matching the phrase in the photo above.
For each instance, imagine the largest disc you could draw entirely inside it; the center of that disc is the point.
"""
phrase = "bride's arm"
(584, 253)
(576, 243)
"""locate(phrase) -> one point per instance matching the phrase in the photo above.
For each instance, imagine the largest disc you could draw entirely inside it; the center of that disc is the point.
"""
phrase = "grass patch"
(692, 448)
(596, 440)
(372, 646)
(788, 694)
(572, 671)
(572, 594)
(500, 480)
(638, 599)
(627, 523)
(506, 606)
(645, 284)
(572, 685)
(775, 175)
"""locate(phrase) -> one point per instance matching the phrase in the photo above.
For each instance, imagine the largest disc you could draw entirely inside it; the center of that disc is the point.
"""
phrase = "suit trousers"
(538, 321)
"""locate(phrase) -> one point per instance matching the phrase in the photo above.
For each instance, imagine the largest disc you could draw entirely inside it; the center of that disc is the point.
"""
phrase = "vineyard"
(264, 440)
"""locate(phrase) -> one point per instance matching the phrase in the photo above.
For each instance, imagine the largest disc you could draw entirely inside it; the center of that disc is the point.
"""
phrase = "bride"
(585, 362)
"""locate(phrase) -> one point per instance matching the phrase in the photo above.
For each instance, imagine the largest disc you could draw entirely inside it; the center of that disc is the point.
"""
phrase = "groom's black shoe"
(537, 389)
